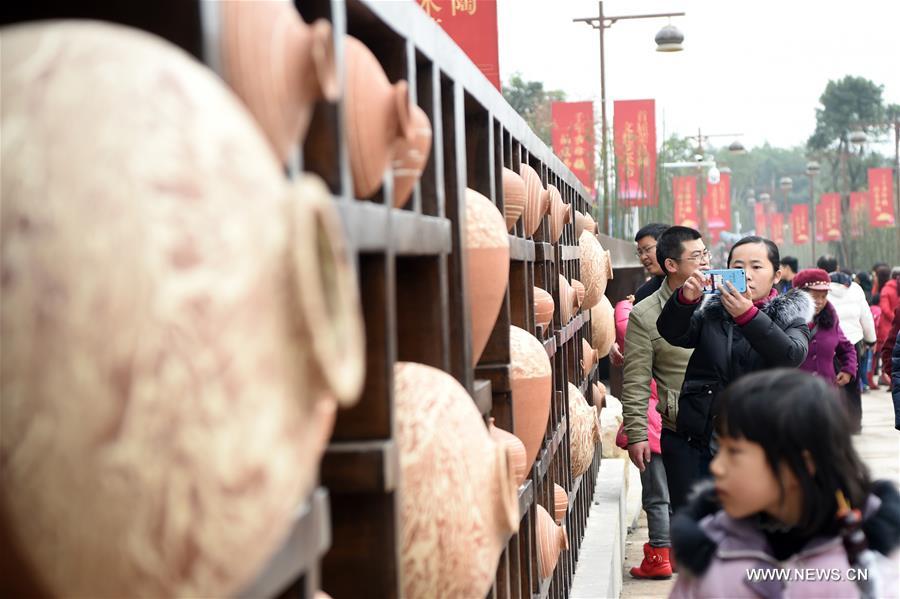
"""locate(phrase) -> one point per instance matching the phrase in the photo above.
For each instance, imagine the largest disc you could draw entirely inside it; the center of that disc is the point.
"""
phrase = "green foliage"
(533, 102)
(846, 104)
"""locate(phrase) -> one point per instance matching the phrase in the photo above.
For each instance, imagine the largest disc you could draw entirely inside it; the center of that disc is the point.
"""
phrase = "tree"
(533, 103)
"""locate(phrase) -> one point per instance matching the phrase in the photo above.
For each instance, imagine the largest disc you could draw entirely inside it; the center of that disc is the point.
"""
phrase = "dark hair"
(797, 416)
(828, 263)
(771, 249)
(791, 262)
(669, 244)
(883, 274)
(653, 230)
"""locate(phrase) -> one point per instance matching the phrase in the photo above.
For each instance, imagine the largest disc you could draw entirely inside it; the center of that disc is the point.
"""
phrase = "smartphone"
(717, 278)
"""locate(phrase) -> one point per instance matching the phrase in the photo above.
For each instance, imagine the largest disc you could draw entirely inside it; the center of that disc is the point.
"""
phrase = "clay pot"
(378, 118)
(487, 262)
(560, 503)
(458, 502)
(580, 223)
(175, 324)
(515, 449)
(599, 395)
(560, 215)
(410, 155)
(531, 389)
(551, 541)
(543, 307)
(537, 199)
(568, 301)
(589, 357)
(278, 65)
(595, 270)
(603, 326)
(513, 197)
(583, 432)
(590, 224)
(579, 294)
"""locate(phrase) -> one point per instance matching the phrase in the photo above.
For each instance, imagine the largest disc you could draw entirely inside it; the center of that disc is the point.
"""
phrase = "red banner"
(634, 133)
(800, 223)
(473, 26)
(881, 197)
(831, 216)
(573, 138)
(717, 204)
(684, 190)
(820, 222)
(859, 205)
(777, 227)
(759, 216)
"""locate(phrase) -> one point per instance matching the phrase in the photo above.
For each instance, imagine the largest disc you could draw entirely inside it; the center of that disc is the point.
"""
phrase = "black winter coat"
(778, 336)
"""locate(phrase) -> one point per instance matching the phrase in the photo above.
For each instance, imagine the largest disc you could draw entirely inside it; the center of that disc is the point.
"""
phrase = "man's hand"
(735, 302)
(842, 379)
(640, 454)
(615, 355)
(693, 287)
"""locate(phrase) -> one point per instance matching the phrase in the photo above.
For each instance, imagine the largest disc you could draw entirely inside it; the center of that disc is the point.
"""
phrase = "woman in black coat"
(732, 334)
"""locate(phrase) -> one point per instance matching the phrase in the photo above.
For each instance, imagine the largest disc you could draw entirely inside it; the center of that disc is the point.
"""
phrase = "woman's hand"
(734, 301)
(842, 379)
(693, 287)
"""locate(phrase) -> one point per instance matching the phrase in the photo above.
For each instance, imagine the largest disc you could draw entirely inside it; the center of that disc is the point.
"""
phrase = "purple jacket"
(827, 342)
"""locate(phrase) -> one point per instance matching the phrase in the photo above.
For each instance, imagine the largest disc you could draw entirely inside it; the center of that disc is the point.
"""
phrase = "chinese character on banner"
(684, 190)
(717, 204)
(831, 216)
(573, 138)
(634, 142)
(859, 204)
(800, 223)
(777, 226)
(759, 218)
(473, 26)
(881, 197)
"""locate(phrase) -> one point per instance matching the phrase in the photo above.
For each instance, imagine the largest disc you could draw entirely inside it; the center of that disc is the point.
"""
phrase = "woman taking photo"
(732, 334)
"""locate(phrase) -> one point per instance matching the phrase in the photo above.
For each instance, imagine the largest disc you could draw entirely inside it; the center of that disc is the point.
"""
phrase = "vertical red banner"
(820, 221)
(573, 138)
(881, 197)
(684, 190)
(634, 143)
(800, 223)
(777, 228)
(717, 204)
(759, 217)
(831, 216)
(859, 206)
(473, 26)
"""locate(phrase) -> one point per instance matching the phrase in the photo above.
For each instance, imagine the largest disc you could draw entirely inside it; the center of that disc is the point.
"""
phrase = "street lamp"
(667, 40)
(812, 169)
(737, 147)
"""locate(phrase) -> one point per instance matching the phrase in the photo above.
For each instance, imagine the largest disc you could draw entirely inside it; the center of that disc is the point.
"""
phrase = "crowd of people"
(739, 407)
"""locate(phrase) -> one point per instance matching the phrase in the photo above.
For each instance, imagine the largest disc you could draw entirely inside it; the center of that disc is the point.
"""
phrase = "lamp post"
(736, 147)
(668, 39)
(812, 169)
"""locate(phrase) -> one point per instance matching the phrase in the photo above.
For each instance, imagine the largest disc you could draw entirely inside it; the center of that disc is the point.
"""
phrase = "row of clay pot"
(178, 319)
(280, 67)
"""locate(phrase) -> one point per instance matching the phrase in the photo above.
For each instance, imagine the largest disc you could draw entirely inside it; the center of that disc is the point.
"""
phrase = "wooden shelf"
(570, 252)
(546, 456)
(484, 399)
(374, 228)
(361, 467)
(521, 250)
(497, 374)
(550, 346)
(568, 331)
(543, 252)
(526, 498)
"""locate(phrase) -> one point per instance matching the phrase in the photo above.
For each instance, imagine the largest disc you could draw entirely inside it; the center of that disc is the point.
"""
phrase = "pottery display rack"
(345, 538)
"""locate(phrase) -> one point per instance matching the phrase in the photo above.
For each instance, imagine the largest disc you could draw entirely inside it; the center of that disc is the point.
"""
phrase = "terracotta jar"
(591, 224)
(513, 197)
(595, 271)
(278, 65)
(487, 266)
(579, 294)
(568, 301)
(551, 541)
(560, 503)
(175, 324)
(603, 327)
(589, 357)
(580, 223)
(531, 389)
(411, 155)
(560, 215)
(537, 199)
(599, 395)
(378, 117)
(543, 308)
(458, 502)
(515, 449)
(583, 432)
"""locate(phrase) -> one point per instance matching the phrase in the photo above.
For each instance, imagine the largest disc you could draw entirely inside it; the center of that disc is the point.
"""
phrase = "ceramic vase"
(537, 199)
(487, 266)
(378, 116)
(603, 327)
(515, 449)
(599, 395)
(583, 432)
(410, 155)
(513, 197)
(594, 269)
(560, 215)
(560, 503)
(531, 389)
(175, 324)
(590, 224)
(278, 65)
(551, 541)
(568, 301)
(458, 502)
(589, 357)
(580, 223)
(543, 308)
(579, 294)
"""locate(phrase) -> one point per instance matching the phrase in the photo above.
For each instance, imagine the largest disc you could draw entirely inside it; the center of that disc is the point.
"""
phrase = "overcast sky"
(755, 67)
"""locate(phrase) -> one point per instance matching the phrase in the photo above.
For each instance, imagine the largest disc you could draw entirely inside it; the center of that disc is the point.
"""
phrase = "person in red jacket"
(889, 299)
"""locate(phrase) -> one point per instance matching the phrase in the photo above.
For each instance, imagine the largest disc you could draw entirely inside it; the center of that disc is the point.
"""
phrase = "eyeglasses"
(697, 256)
(642, 251)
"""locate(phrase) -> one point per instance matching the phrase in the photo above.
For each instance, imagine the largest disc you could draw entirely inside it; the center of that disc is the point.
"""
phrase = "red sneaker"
(656, 564)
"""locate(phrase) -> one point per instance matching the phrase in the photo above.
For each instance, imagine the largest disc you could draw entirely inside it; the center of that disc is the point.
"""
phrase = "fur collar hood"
(782, 309)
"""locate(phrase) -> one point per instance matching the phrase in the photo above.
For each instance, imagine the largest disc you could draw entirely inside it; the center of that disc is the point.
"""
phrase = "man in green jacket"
(680, 251)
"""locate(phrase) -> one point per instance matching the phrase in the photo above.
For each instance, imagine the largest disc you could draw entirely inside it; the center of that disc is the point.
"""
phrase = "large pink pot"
(487, 264)
(278, 65)
(603, 327)
(531, 389)
(411, 155)
(458, 501)
(560, 215)
(543, 307)
(175, 324)
(513, 197)
(584, 430)
(589, 357)
(595, 269)
(551, 541)
(537, 199)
